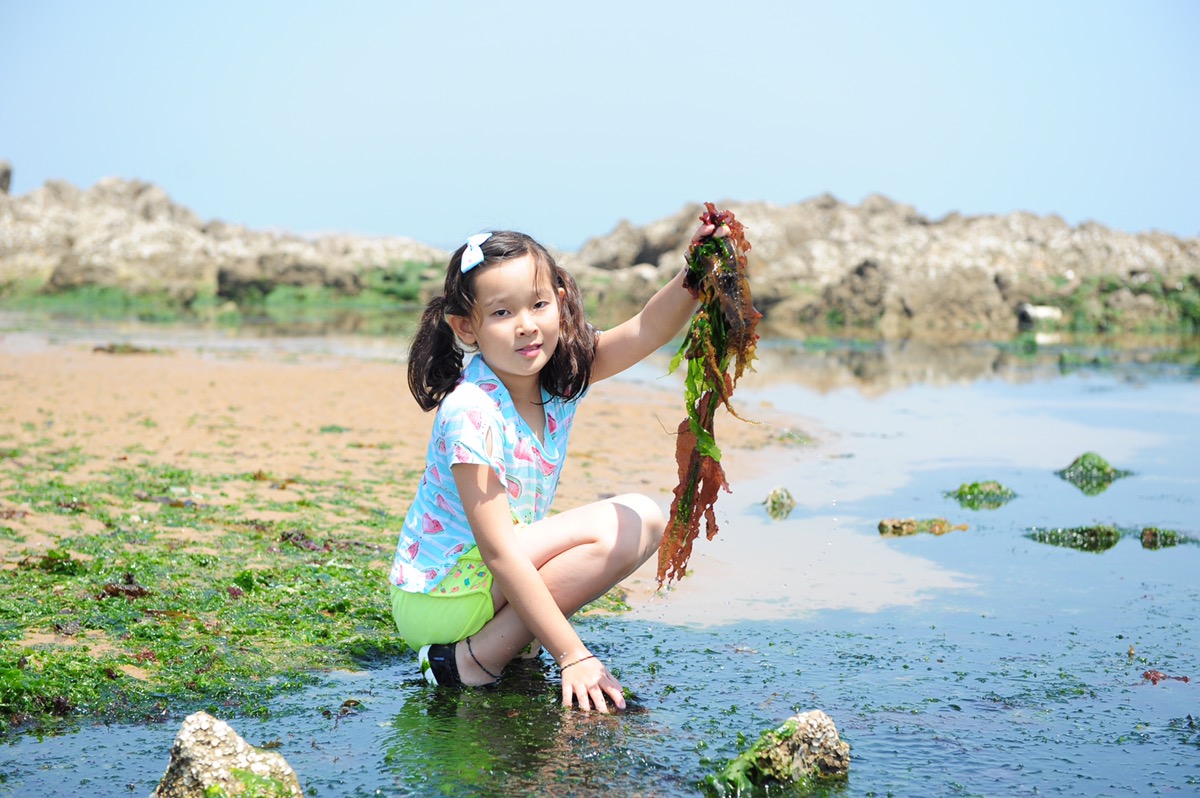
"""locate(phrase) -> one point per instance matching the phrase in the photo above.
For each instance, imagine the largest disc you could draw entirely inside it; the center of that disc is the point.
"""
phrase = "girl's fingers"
(617, 695)
(598, 702)
(590, 684)
(567, 697)
(703, 231)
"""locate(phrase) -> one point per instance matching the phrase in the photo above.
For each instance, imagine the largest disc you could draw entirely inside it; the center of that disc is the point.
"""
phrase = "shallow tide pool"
(978, 662)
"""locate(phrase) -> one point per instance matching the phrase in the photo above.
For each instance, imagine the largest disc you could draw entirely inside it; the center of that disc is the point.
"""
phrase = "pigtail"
(569, 371)
(435, 362)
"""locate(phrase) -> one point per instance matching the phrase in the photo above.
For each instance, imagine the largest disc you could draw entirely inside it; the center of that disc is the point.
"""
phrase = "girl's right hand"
(588, 681)
(706, 230)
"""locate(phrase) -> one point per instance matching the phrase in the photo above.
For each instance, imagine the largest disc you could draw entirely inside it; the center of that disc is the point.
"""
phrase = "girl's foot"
(451, 665)
(439, 665)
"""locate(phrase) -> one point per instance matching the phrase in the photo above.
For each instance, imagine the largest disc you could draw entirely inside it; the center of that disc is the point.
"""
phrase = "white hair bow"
(473, 256)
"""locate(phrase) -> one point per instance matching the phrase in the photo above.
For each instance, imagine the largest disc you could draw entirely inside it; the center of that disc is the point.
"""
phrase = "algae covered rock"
(1091, 473)
(1155, 538)
(988, 495)
(802, 752)
(779, 503)
(902, 527)
(1082, 538)
(210, 760)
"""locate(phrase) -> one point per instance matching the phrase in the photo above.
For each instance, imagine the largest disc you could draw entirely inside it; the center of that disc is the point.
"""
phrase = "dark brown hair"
(435, 359)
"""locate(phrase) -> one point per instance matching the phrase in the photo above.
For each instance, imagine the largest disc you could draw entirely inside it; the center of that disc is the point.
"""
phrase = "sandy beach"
(294, 417)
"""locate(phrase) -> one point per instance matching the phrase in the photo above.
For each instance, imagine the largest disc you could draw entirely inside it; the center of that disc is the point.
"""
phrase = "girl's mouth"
(530, 351)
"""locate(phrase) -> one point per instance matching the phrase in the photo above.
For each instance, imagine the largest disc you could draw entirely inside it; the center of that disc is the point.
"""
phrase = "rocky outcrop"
(883, 265)
(880, 265)
(209, 758)
(131, 236)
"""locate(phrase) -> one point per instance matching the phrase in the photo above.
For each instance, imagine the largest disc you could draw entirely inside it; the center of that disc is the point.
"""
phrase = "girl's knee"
(641, 504)
(644, 515)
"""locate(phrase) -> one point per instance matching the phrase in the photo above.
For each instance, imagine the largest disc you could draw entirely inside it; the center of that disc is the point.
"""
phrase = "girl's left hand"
(588, 682)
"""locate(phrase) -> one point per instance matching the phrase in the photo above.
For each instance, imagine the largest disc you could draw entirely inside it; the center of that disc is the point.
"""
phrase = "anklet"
(477, 662)
(562, 668)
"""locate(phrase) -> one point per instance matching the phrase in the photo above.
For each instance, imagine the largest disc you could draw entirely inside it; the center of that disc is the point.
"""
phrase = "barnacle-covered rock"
(210, 759)
(806, 749)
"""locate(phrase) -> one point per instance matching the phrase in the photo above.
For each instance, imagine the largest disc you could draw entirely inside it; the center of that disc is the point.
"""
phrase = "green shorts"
(459, 606)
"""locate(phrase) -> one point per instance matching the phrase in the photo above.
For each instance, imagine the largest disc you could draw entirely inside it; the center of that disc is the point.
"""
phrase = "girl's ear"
(462, 328)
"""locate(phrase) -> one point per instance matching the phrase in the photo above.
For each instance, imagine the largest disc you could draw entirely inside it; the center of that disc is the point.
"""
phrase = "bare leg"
(580, 554)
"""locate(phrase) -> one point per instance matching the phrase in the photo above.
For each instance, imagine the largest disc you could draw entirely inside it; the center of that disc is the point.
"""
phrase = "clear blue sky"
(437, 119)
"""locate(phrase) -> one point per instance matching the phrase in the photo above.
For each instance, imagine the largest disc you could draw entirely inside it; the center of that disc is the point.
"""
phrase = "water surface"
(980, 662)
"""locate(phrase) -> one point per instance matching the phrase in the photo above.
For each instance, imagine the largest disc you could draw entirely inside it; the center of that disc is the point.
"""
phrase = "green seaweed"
(720, 343)
(251, 785)
(766, 765)
(130, 616)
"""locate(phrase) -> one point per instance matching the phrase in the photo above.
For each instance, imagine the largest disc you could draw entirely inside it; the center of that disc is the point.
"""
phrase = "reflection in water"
(446, 741)
(511, 740)
(871, 366)
(875, 367)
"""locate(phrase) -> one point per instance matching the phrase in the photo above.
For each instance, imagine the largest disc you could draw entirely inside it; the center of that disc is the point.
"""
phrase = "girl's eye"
(500, 313)
(541, 304)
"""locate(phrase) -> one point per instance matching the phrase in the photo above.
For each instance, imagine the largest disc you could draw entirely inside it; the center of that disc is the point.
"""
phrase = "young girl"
(481, 570)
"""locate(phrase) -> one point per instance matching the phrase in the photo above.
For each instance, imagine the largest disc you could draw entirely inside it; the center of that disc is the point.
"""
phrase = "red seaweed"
(721, 337)
(1154, 677)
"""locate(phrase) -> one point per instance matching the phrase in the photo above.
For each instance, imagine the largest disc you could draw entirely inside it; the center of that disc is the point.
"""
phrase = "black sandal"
(438, 665)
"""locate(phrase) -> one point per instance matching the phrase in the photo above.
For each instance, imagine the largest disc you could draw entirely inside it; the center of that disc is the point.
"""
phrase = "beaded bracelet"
(562, 668)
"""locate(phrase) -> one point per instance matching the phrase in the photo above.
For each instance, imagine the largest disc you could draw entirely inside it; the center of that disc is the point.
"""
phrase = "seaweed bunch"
(718, 347)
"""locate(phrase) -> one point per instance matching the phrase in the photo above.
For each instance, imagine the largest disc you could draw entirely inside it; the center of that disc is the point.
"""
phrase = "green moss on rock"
(988, 495)
(805, 752)
(1091, 473)
(1082, 538)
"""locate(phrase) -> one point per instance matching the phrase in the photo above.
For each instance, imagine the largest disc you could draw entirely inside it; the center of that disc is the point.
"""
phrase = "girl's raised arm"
(653, 327)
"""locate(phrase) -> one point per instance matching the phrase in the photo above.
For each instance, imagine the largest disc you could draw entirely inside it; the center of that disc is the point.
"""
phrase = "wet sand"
(294, 416)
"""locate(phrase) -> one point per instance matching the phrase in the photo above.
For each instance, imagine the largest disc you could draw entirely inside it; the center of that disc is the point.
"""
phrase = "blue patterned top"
(478, 423)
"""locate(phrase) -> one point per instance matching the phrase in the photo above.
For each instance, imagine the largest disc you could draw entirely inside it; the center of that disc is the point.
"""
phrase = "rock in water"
(208, 757)
(806, 748)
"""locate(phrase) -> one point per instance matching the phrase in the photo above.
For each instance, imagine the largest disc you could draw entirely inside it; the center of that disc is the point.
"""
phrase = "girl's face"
(515, 322)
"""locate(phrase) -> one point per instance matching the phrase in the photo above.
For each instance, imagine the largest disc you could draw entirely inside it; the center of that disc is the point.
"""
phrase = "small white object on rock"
(1032, 314)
